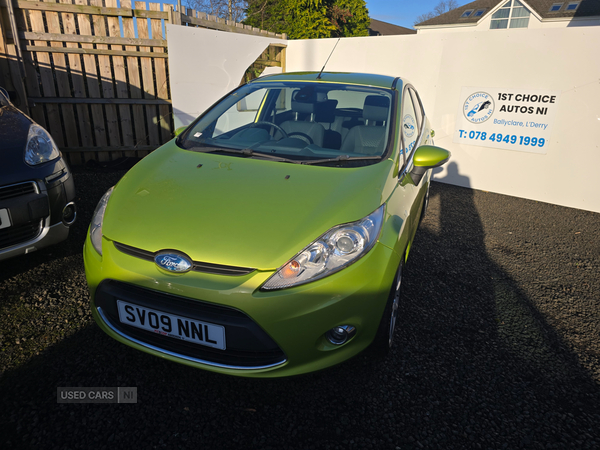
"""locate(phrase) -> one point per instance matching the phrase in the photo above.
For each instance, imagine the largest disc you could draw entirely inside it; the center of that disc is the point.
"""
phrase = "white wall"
(439, 66)
(204, 65)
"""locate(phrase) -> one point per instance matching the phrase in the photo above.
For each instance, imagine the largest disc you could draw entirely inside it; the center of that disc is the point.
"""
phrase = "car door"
(411, 124)
(403, 203)
(422, 137)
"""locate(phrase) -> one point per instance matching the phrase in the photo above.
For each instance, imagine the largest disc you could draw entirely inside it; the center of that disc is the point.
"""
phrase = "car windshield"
(301, 122)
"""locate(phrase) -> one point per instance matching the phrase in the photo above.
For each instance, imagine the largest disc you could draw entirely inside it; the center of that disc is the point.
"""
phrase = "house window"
(572, 6)
(556, 7)
(478, 13)
(467, 13)
(513, 14)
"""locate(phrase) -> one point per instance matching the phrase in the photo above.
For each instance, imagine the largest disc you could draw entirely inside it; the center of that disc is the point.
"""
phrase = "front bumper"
(285, 329)
(40, 212)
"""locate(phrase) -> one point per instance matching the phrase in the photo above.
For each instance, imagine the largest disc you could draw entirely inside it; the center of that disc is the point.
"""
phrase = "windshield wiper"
(340, 159)
(245, 152)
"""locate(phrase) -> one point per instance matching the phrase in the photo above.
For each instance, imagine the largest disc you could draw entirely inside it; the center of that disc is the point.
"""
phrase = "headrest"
(303, 100)
(303, 107)
(325, 111)
(376, 108)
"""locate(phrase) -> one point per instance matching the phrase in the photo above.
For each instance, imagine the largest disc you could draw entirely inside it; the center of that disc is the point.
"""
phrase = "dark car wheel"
(384, 338)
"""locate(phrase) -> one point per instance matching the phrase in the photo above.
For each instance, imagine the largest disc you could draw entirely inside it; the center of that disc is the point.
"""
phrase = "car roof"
(363, 79)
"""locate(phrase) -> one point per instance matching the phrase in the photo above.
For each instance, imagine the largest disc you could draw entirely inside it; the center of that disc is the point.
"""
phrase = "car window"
(302, 121)
(242, 113)
(419, 113)
(348, 99)
(410, 125)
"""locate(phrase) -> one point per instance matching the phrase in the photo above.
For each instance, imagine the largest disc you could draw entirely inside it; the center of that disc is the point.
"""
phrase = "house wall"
(534, 23)
(444, 66)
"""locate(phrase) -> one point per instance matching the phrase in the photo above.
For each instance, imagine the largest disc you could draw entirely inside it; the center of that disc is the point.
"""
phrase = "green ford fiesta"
(268, 238)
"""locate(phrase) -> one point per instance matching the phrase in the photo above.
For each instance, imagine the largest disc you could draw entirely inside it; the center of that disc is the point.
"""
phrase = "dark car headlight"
(40, 147)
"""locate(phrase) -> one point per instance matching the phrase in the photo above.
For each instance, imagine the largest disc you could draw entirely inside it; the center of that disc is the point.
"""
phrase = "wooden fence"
(95, 73)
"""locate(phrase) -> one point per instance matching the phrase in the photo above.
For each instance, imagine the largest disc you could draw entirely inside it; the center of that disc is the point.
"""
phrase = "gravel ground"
(498, 347)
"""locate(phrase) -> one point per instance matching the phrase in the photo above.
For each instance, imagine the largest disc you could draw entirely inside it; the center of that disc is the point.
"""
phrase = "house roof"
(379, 28)
(587, 8)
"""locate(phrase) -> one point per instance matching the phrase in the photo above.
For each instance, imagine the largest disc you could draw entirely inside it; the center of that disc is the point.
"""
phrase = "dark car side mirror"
(426, 157)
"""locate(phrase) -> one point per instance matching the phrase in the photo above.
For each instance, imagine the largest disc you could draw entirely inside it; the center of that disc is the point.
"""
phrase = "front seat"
(311, 131)
(369, 138)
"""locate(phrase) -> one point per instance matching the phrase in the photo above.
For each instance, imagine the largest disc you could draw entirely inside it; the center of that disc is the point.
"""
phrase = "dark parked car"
(37, 192)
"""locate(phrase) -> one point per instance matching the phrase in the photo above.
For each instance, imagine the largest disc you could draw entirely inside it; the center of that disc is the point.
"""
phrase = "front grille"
(21, 233)
(248, 346)
(16, 190)
(197, 266)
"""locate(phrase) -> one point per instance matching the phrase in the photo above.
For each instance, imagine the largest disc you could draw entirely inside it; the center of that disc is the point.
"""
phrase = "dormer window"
(556, 7)
(467, 13)
(572, 6)
(513, 14)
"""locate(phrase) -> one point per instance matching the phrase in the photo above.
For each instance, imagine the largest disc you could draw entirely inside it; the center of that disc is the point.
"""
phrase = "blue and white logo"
(409, 125)
(478, 107)
(173, 262)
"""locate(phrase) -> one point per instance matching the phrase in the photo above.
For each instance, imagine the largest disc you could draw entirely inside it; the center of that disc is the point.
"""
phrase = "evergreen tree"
(310, 19)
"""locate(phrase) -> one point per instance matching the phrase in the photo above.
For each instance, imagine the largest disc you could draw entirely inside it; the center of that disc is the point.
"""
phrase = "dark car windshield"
(298, 121)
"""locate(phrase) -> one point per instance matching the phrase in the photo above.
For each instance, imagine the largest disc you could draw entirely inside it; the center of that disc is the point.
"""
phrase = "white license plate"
(170, 325)
(4, 219)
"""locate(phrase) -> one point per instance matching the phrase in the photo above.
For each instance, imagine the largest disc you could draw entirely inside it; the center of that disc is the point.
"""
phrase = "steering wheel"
(271, 125)
(303, 136)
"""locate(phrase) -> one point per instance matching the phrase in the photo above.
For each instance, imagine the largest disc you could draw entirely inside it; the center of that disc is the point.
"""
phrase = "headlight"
(336, 249)
(97, 219)
(40, 147)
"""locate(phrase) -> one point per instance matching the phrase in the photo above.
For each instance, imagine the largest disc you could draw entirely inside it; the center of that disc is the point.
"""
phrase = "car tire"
(384, 339)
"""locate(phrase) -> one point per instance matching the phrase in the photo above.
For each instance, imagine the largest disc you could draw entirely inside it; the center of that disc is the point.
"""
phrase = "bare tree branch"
(442, 7)
(226, 9)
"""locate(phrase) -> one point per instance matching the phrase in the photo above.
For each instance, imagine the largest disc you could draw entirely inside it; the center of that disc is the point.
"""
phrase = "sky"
(398, 12)
(402, 12)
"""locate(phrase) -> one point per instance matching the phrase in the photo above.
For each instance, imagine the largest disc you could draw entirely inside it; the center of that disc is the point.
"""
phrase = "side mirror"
(179, 130)
(426, 157)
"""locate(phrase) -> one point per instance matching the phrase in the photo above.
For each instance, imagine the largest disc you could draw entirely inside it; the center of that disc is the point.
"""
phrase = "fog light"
(69, 213)
(340, 334)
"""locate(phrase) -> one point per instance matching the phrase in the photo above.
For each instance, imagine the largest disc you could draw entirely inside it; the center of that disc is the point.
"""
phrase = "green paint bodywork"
(180, 130)
(362, 79)
(430, 156)
(259, 213)
(237, 211)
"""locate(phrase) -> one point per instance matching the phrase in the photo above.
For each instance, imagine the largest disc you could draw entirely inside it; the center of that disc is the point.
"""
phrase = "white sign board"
(509, 119)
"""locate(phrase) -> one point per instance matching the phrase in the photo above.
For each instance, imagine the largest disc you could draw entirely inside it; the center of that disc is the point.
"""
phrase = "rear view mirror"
(426, 157)
(179, 130)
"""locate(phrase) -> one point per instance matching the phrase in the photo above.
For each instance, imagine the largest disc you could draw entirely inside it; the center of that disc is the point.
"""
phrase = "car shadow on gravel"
(475, 365)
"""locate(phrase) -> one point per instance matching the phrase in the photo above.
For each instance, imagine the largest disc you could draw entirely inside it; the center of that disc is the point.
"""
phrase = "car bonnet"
(236, 211)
